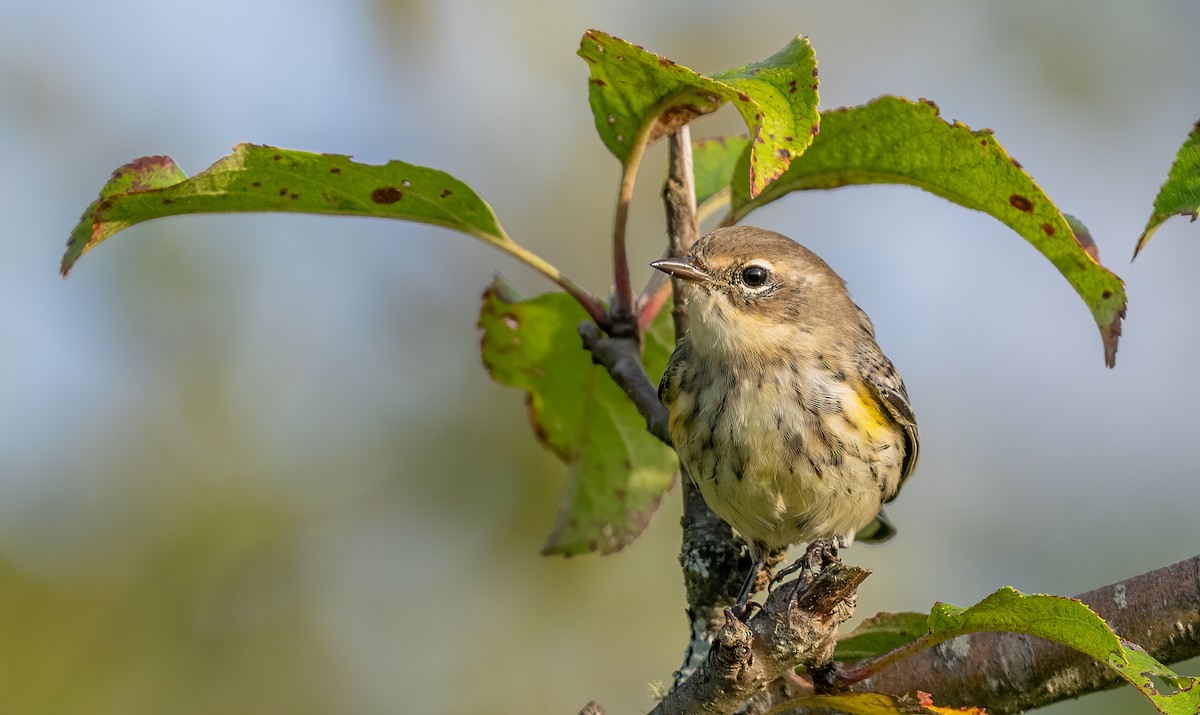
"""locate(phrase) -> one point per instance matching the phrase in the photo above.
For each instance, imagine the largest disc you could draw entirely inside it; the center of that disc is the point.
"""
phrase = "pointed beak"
(681, 268)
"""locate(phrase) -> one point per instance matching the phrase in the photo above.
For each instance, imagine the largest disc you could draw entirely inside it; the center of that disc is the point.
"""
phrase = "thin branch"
(679, 197)
(621, 356)
(1010, 673)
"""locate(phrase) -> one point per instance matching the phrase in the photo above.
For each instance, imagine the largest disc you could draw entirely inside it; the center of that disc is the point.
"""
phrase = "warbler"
(784, 410)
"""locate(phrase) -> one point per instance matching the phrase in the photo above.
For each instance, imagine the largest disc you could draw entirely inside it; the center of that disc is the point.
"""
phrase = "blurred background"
(253, 463)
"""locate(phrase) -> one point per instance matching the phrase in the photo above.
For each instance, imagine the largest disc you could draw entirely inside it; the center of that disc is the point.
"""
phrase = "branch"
(714, 561)
(622, 357)
(788, 632)
(1009, 673)
(679, 199)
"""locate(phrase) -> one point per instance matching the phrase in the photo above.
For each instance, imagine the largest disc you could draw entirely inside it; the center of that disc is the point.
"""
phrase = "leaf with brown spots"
(260, 178)
(780, 109)
(617, 471)
(637, 96)
(892, 140)
(1180, 194)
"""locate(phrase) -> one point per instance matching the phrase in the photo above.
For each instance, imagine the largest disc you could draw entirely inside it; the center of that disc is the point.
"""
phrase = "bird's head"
(748, 287)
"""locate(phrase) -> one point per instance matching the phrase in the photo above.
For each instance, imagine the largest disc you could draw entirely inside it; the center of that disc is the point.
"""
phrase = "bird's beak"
(681, 268)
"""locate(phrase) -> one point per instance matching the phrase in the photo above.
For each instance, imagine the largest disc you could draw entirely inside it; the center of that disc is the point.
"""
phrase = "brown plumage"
(783, 408)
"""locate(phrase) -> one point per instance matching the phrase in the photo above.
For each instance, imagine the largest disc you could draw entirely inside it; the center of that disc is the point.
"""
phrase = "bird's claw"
(819, 555)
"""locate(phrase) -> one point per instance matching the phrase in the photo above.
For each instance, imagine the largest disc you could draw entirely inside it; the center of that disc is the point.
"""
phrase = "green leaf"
(617, 471)
(1070, 622)
(892, 140)
(1170, 693)
(262, 178)
(637, 96)
(778, 101)
(1057, 618)
(713, 164)
(1181, 192)
(880, 634)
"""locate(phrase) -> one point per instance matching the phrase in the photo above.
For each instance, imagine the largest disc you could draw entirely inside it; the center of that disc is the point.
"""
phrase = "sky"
(255, 461)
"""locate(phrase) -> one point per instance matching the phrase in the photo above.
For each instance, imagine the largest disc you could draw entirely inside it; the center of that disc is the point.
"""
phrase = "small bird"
(783, 408)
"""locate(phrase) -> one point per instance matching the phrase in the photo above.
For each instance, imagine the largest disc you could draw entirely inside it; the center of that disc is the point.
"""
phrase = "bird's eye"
(755, 276)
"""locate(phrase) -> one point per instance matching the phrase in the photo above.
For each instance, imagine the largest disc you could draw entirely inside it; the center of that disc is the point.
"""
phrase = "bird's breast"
(786, 452)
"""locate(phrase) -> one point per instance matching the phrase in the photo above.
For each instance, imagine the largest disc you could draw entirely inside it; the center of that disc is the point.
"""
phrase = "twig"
(679, 198)
(621, 356)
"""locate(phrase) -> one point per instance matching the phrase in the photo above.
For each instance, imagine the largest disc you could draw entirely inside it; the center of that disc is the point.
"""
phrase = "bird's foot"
(817, 556)
(743, 611)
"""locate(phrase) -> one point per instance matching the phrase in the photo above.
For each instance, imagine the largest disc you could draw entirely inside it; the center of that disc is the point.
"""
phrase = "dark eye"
(755, 276)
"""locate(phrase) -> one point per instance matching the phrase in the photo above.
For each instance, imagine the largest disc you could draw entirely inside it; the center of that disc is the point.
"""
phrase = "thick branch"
(679, 199)
(786, 633)
(622, 357)
(714, 561)
(1009, 673)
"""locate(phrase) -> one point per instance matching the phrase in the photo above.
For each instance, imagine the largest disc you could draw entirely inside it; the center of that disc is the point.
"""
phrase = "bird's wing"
(883, 379)
(668, 386)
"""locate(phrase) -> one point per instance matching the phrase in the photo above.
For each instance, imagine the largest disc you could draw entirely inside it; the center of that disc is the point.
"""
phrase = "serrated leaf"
(1064, 620)
(1180, 194)
(778, 101)
(1070, 622)
(637, 96)
(892, 140)
(262, 178)
(617, 471)
(1171, 693)
(879, 634)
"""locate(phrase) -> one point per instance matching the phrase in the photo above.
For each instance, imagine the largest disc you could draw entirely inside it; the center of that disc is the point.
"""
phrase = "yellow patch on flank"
(866, 411)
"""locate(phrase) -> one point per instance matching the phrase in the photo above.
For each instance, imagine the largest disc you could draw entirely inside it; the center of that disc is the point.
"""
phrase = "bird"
(782, 407)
